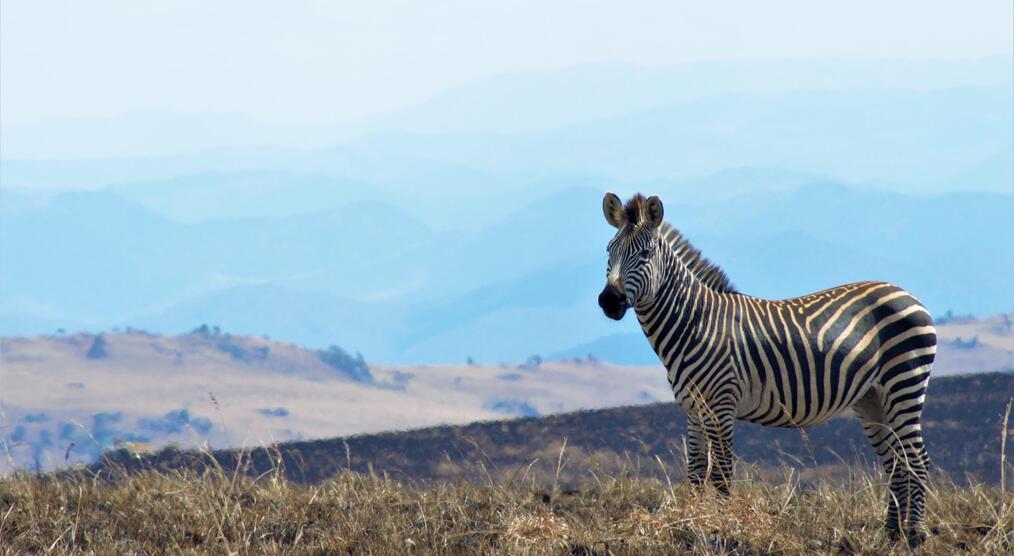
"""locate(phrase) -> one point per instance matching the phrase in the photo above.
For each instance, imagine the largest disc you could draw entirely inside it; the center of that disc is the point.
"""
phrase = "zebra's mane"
(706, 271)
(710, 274)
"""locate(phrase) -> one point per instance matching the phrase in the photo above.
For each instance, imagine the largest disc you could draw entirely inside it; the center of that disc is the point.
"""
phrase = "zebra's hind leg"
(890, 414)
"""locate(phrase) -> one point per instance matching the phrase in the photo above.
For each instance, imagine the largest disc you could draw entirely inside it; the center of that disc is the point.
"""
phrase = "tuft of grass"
(612, 511)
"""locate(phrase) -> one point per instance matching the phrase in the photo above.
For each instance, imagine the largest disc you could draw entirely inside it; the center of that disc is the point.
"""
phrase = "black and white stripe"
(866, 347)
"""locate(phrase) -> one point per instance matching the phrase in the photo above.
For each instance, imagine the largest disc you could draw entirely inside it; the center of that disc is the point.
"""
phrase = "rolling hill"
(963, 427)
(67, 398)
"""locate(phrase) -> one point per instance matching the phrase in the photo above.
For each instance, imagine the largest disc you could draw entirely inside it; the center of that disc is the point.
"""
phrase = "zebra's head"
(632, 274)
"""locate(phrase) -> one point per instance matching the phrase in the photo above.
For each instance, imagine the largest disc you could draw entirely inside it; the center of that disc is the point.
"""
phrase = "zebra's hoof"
(914, 536)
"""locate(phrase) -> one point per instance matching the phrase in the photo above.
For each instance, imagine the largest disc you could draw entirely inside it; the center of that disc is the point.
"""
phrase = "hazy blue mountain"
(926, 244)
(14, 201)
(447, 199)
(310, 319)
(99, 172)
(252, 183)
(559, 228)
(902, 137)
(471, 225)
(91, 257)
(510, 103)
(873, 220)
(362, 250)
(437, 198)
(94, 257)
(899, 138)
(542, 100)
(216, 196)
(786, 262)
(368, 276)
(546, 306)
(624, 349)
(995, 173)
(561, 286)
(146, 133)
(724, 184)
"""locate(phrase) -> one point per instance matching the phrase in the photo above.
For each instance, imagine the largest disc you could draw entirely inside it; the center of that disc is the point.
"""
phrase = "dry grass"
(614, 513)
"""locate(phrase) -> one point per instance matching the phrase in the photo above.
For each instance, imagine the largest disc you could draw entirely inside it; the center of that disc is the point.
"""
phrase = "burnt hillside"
(962, 429)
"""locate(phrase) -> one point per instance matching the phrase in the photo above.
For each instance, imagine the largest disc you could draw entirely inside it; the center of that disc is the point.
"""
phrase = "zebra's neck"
(678, 312)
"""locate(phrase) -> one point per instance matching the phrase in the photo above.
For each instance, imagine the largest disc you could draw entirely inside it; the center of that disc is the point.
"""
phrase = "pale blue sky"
(323, 62)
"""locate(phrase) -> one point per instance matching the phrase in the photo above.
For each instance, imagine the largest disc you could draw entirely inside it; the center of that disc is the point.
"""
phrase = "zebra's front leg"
(710, 449)
(718, 429)
(698, 461)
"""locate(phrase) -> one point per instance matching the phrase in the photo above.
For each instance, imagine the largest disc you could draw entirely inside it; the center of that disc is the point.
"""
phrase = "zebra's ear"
(654, 213)
(612, 207)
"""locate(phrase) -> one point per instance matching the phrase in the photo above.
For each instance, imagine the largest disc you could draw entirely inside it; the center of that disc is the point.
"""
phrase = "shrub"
(176, 421)
(354, 368)
(970, 343)
(521, 408)
(99, 348)
(238, 352)
(533, 362)
(207, 331)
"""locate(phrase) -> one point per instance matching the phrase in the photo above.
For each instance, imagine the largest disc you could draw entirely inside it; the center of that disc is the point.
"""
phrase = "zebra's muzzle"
(613, 302)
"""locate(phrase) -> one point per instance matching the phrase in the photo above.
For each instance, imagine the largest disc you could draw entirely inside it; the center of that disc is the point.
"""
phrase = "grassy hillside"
(963, 428)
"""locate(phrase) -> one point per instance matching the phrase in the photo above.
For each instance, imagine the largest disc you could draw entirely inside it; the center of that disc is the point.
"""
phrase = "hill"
(66, 398)
(963, 430)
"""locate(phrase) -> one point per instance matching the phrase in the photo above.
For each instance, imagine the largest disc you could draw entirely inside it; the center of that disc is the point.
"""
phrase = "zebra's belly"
(776, 416)
(791, 404)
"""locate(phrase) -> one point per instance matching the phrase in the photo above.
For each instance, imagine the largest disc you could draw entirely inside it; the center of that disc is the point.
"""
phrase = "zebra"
(865, 346)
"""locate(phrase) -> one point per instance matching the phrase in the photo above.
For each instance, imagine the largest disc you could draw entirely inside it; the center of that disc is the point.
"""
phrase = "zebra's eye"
(645, 253)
